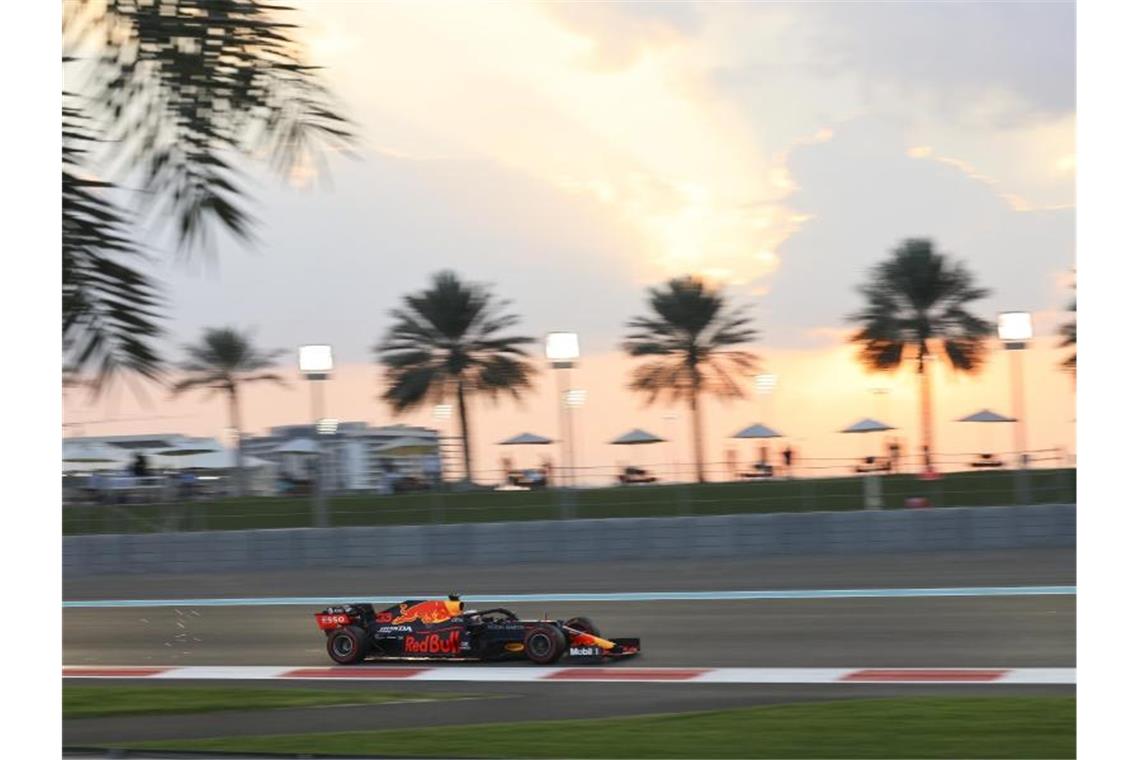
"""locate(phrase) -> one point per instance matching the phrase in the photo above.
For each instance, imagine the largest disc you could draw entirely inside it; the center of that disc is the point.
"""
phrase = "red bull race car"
(445, 630)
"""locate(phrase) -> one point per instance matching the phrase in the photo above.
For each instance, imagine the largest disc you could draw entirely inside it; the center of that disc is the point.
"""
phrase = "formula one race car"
(444, 630)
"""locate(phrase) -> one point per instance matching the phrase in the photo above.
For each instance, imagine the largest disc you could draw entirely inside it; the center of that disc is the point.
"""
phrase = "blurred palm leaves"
(447, 340)
(690, 341)
(917, 304)
(180, 93)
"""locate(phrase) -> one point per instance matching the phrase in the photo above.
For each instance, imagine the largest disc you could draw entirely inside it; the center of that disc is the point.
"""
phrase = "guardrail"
(676, 538)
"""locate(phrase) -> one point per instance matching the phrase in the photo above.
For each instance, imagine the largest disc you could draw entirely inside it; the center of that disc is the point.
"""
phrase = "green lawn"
(101, 701)
(960, 727)
(954, 489)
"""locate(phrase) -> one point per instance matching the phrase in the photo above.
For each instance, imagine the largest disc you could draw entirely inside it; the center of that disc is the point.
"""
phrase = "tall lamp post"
(561, 351)
(316, 363)
(1015, 328)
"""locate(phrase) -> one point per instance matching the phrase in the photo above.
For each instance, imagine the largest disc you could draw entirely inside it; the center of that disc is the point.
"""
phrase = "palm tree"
(447, 342)
(177, 95)
(690, 335)
(222, 361)
(1069, 338)
(918, 306)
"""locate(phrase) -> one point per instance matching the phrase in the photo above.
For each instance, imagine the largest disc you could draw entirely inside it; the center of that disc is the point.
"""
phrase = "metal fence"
(805, 489)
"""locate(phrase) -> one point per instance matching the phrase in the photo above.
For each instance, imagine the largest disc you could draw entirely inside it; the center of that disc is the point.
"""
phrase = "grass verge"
(103, 701)
(959, 727)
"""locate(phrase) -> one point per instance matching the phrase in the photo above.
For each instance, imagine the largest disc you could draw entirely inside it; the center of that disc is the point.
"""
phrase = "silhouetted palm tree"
(1069, 338)
(447, 342)
(179, 95)
(222, 361)
(690, 334)
(918, 306)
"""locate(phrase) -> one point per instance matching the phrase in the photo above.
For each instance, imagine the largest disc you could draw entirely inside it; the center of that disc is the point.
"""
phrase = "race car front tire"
(583, 624)
(544, 644)
(347, 646)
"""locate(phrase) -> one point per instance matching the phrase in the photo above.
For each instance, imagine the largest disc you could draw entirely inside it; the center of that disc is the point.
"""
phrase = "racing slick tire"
(583, 624)
(347, 646)
(544, 644)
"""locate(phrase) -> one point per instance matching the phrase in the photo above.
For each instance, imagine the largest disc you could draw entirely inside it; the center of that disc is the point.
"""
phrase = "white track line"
(595, 674)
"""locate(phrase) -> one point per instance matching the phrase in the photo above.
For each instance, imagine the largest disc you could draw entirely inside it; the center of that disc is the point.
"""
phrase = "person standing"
(788, 458)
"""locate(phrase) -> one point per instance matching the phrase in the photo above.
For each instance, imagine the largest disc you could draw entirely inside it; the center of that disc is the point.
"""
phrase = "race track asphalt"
(1030, 631)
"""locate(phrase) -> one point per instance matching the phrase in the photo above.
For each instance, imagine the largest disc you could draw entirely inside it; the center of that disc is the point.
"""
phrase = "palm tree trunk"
(235, 425)
(464, 434)
(695, 407)
(927, 414)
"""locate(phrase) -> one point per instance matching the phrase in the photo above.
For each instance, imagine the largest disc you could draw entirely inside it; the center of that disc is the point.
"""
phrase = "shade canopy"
(636, 436)
(94, 453)
(298, 446)
(758, 431)
(523, 439)
(407, 447)
(219, 459)
(866, 425)
(985, 415)
(190, 447)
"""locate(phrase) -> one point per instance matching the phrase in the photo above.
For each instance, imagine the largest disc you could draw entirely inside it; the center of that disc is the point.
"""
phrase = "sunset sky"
(573, 154)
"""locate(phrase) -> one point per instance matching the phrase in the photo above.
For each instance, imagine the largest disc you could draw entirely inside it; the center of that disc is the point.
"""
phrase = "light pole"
(561, 351)
(1015, 328)
(316, 363)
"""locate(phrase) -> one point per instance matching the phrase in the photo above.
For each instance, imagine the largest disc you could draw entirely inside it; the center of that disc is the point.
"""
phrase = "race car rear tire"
(583, 624)
(347, 646)
(544, 644)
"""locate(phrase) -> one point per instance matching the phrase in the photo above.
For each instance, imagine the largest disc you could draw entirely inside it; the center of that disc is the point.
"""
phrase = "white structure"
(361, 457)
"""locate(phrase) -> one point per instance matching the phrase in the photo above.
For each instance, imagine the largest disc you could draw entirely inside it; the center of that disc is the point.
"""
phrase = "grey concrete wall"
(735, 536)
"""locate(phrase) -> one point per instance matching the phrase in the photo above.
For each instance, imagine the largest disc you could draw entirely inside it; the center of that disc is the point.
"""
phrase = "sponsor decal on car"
(513, 646)
(383, 617)
(585, 651)
(395, 629)
(332, 621)
(432, 643)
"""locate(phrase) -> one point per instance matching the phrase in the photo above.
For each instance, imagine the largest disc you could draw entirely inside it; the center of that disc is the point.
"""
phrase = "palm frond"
(112, 309)
(186, 87)
(917, 301)
(691, 333)
(447, 335)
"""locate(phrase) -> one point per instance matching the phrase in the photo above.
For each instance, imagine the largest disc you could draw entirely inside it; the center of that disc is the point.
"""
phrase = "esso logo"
(333, 620)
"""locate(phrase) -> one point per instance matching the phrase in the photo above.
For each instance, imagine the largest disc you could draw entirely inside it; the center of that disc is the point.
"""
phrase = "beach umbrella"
(524, 439)
(867, 425)
(758, 431)
(985, 415)
(635, 437)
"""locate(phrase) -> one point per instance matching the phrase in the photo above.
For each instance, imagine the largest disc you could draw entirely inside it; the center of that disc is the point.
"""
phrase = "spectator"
(140, 469)
(789, 456)
(895, 454)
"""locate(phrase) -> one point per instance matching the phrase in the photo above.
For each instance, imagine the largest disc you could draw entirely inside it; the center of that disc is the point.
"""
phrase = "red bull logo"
(432, 643)
(427, 612)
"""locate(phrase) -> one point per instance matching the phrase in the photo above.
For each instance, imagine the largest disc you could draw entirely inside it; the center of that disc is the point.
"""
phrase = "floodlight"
(315, 360)
(562, 348)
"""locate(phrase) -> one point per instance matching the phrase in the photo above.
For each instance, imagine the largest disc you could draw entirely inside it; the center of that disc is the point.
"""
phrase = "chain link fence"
(165, 503)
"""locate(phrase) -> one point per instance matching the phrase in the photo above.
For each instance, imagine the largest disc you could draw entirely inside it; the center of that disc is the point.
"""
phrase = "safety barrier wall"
(728, 536)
